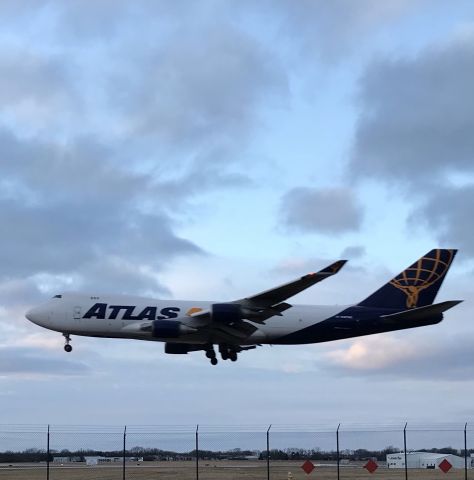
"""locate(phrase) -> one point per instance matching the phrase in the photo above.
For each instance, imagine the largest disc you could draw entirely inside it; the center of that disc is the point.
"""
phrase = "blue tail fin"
(416, 286)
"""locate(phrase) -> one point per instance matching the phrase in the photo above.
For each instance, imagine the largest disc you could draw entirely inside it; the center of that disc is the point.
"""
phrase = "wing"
(262, 306)
(274, 296)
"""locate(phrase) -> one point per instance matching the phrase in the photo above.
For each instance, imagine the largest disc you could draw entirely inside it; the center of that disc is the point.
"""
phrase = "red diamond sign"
(371, 466)
(308, 467)
(445, 466)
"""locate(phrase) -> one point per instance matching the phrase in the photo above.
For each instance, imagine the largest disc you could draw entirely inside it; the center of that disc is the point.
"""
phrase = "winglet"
(333, 268)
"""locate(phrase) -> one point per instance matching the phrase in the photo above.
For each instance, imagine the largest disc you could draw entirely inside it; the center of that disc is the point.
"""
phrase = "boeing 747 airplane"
(265, 318)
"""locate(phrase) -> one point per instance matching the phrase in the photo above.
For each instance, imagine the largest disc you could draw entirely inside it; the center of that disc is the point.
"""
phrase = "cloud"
(73, 208)
(448, 213)
(328, 29)
(33, 362)
(201, 89)
(34, 87)
(296, 265)
(326, 211)
(355, 251)
(19, 291)
(415, 131)
(426, 357)
(415, 122)
(371, 354)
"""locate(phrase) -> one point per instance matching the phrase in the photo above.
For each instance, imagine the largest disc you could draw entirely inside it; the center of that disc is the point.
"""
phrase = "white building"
(424, 460)
(106, 460)
(66, 459)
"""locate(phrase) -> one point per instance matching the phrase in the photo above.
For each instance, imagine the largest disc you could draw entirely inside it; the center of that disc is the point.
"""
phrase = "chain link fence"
(258, 452)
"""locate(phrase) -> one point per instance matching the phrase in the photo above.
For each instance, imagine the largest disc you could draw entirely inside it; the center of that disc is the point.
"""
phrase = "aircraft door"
(77, 314)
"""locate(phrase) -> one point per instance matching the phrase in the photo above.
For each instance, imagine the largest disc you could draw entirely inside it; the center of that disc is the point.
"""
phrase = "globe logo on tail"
(422, 275)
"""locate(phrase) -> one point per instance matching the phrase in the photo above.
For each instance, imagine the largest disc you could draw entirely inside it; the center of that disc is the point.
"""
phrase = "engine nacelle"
(169, 329)
(178, 348)
(226, 312)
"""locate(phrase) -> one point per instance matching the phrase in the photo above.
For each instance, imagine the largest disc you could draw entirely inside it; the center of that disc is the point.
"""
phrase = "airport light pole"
(337, 449)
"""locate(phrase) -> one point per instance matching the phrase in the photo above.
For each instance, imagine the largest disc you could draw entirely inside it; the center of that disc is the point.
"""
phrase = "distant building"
(424, 460)
(106, 460)
(66, 459)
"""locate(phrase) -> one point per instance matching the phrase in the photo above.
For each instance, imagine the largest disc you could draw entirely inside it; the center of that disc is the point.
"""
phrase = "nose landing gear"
(67, 347)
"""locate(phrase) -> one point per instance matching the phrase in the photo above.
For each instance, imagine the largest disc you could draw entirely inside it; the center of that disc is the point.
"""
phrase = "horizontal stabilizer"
(421, 313)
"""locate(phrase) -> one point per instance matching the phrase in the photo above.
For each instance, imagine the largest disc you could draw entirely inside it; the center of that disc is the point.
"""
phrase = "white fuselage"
(119, 316)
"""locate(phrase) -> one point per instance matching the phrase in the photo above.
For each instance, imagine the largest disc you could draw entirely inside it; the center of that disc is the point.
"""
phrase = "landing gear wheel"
(210, 353)
(214, 361)
(233, 356)
(224, 352)
(67, 347)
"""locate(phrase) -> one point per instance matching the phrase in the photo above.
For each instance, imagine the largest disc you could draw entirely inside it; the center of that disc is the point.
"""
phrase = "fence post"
(268, 452)
(197, 452)
(405, 449)
(465, 451)
(337, 447)
(47, 455)
(124, 450)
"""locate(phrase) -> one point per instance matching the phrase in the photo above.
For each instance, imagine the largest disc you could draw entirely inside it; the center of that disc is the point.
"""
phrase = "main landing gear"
(67, 347)
(210, 353)
(227, 353)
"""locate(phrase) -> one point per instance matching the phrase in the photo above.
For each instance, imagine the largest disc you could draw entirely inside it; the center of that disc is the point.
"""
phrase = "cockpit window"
(58, 296)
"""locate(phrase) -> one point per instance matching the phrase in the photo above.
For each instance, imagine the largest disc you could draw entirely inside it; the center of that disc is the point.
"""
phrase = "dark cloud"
(448, 213)
(415, 131)
(201, 88)
(160, 117)
(329, 29)
(415, 123)
(32, 361)
(72, 206)
(327, 211)
(36, 79)
(120, 274)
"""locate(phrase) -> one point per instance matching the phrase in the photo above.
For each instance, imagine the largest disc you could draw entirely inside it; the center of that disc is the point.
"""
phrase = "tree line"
(156, 454)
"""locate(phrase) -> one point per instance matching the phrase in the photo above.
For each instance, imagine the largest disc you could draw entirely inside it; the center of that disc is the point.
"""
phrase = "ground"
(212, 470)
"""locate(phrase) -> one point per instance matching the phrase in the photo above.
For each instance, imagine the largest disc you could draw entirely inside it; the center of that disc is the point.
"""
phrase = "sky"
(215, 149)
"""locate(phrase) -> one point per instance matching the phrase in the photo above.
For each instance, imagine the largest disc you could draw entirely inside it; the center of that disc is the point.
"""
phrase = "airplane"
(404, 302)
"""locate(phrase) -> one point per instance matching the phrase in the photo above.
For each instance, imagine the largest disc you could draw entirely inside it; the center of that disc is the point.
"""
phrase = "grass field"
(223, 470)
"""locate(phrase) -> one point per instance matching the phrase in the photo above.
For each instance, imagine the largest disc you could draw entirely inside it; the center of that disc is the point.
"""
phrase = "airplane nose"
(37, 315)
(31, 315)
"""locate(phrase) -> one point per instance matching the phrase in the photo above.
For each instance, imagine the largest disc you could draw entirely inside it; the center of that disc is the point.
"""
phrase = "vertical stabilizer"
(416, 286)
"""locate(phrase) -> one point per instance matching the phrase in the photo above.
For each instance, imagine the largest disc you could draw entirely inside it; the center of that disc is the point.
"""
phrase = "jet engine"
(169, 329)
(226, 312)
(178, 348)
